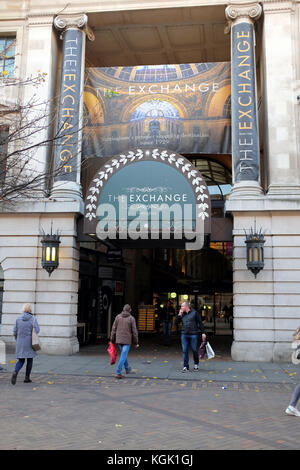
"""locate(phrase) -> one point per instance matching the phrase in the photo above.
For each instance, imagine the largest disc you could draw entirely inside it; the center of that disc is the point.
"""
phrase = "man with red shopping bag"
(124, 333)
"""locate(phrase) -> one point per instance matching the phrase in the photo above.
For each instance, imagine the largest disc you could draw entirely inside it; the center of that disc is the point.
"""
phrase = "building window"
(3, 151)
(7, 56)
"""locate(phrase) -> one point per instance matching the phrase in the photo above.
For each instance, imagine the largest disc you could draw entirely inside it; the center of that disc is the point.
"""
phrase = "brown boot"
(119, 376)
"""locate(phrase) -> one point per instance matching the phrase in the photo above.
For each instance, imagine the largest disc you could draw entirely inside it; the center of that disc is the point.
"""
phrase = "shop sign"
(67, 145)
(148, 194)
(245, 143)
(114, 255)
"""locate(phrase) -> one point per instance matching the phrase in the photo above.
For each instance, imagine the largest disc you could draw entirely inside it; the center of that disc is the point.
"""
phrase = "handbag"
(112, 352)
(296, 356)
(202, 350)
(209, 351)
(35, 340)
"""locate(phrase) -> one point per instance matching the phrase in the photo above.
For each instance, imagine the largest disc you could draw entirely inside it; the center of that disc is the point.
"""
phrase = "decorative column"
(245, 139)
(281, 92)
(67, 159)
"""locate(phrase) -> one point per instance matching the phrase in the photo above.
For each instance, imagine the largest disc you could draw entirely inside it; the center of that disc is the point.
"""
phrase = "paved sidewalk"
(75, 402)
(158, 362)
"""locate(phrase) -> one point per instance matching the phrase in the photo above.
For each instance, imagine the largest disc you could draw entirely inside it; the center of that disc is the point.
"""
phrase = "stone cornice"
(279, 6)
(239, 11)
(79, 21)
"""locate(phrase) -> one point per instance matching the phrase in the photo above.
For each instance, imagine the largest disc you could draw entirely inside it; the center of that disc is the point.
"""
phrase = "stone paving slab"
(68, 412)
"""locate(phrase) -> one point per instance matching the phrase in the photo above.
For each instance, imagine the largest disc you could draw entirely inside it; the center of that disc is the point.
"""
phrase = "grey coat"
(23, 335)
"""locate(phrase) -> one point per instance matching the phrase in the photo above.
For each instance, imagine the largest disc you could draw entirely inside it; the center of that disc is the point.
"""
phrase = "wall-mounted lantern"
(255, 250)
(50, 251)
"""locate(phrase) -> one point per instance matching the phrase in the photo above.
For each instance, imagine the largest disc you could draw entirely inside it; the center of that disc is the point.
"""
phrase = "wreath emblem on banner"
(159, 155)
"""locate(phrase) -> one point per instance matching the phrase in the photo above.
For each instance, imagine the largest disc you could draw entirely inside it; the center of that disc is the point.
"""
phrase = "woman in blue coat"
(23, 335)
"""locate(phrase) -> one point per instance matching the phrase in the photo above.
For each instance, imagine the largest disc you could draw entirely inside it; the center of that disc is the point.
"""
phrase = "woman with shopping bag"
(124, 333)
(24, 327)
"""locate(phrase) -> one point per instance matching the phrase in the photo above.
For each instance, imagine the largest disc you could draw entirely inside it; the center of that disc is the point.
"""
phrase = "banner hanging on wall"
(183, 107)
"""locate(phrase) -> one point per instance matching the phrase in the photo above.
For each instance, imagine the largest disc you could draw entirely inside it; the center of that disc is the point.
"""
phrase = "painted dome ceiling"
(157, 73)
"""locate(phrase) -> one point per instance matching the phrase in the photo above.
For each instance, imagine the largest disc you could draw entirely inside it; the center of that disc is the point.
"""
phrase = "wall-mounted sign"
(183, 107)
(114, 255)
(148, 194)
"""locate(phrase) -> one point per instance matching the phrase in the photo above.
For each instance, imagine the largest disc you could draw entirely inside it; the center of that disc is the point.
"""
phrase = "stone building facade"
(261, 39)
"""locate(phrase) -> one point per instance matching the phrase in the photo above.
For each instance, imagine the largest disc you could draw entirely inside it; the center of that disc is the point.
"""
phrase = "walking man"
(124, 332)
(191, 322)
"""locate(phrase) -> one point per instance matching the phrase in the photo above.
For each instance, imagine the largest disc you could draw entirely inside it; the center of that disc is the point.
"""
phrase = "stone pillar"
(67, 161)
(281, 89)
(245, 138)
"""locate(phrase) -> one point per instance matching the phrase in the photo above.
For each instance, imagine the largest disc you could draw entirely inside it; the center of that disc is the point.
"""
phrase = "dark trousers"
(21, 363)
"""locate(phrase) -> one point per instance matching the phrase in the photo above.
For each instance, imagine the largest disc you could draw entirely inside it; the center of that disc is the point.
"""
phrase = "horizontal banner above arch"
(147, 194)
(183, 107)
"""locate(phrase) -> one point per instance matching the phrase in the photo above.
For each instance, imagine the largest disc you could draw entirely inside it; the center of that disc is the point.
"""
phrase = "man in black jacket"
(191, 322)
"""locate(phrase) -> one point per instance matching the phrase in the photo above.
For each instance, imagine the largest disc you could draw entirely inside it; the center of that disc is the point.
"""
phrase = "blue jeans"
(167, 326)
(191, 340)
(124, 348)
(296, 396)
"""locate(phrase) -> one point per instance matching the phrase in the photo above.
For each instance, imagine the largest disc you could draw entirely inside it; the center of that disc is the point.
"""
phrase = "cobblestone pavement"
(94, 412)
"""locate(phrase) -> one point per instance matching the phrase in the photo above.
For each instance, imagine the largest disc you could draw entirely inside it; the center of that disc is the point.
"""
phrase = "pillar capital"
(243, 11)
(64, 22)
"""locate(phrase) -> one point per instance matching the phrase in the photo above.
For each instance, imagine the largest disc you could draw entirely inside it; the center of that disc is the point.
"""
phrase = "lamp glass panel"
(53, 256)
(255, 253)
(48, 253)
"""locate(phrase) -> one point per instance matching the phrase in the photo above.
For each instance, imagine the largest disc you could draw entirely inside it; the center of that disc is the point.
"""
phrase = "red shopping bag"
(112, 352)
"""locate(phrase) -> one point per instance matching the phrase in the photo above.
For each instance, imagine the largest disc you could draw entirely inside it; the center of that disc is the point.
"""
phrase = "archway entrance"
(148, 276)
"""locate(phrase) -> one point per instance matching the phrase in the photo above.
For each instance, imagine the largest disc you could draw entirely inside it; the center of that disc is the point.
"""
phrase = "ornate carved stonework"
(64, 22)
(241, 11)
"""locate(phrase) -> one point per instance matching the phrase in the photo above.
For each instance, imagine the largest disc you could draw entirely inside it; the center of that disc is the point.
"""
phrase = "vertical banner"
(67, 148)
(245, 139)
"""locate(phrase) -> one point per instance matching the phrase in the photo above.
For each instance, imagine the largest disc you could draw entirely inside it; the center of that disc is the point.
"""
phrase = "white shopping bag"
(209, 351)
